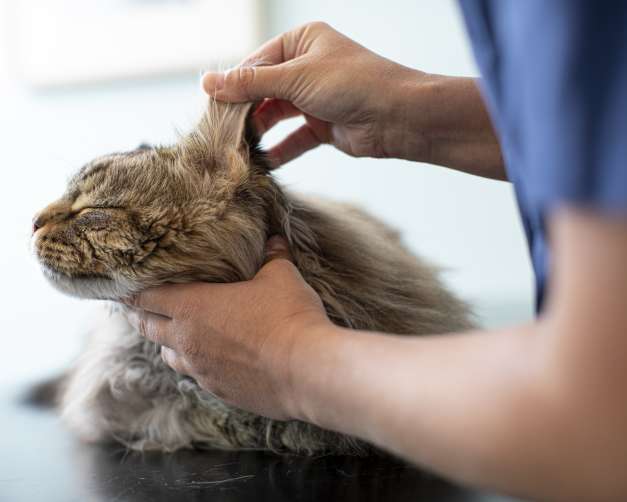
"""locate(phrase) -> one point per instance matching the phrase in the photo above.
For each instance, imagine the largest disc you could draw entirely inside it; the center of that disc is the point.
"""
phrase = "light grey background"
(467, 225)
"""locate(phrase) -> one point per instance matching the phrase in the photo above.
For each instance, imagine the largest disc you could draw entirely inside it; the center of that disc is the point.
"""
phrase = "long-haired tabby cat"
(201, 210)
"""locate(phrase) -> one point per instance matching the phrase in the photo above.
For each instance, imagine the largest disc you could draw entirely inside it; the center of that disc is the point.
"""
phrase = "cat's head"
(193, 211)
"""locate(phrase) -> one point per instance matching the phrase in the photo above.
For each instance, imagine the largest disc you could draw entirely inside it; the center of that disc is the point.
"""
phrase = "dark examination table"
(41, 461)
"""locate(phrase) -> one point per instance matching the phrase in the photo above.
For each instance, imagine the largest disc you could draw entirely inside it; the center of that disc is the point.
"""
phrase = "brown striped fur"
(202, 210)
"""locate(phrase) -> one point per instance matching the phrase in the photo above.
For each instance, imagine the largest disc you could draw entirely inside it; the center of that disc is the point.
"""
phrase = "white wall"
(467, 225)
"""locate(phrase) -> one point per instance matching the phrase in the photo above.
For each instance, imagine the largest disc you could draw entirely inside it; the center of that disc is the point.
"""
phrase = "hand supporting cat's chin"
(89, 287)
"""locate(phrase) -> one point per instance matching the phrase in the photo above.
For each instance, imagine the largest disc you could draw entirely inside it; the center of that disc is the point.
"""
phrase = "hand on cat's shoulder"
(235, 339)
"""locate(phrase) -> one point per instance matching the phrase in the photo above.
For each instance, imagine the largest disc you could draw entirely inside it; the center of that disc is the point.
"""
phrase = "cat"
(202, 210)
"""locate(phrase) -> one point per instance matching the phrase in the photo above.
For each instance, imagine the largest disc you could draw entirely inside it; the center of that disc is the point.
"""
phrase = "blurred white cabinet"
(56, 42)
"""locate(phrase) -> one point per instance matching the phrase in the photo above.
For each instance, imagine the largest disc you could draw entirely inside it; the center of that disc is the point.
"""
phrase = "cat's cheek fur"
(91, 288)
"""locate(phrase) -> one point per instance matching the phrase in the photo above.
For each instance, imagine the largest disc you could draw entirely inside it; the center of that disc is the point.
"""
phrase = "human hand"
(235, 339)
(349, 96)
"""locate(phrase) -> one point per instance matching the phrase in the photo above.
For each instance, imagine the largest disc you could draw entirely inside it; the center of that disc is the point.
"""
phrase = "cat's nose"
(54, 213)
(37, 223)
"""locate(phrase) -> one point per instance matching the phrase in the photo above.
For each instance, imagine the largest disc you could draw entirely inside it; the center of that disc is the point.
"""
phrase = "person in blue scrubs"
(537, 410)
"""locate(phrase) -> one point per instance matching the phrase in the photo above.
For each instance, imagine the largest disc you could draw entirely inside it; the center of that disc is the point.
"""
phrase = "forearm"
(476, 407)
(443, 120)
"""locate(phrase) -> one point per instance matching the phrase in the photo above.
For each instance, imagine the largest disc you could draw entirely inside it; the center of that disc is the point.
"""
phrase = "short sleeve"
(567, 59)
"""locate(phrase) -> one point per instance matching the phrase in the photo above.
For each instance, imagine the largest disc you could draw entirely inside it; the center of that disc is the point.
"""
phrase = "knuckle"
(143, 326)
(313, 27)
(280, 269)
(246, 77)
(273, 265)
(282, 265)
(318, 25)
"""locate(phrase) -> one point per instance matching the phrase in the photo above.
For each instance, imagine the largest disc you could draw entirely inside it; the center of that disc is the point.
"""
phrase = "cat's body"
(202, 210)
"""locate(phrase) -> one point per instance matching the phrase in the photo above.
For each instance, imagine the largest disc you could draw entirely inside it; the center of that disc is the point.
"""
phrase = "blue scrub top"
(554, 77)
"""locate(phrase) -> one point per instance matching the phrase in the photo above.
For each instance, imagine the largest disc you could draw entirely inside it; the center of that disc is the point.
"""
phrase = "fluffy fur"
(202, 210)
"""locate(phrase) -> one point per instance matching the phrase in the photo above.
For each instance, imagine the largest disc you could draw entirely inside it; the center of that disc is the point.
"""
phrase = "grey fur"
(120, 389)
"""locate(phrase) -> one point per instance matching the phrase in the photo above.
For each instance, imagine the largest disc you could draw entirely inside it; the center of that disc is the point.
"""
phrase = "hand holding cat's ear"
(261, 75)
(235, 339)
(349, 96)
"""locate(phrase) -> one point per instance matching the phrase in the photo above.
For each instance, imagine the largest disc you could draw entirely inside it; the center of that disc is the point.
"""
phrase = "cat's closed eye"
(93, 218)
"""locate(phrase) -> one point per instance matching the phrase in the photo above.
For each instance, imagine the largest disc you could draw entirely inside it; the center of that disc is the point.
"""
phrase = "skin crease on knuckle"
(142, 324)
(298, 41)
(246, 79)
(314, 29)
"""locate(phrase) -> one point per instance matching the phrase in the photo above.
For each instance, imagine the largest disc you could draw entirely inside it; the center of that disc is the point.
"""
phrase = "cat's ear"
(228, 123)
(224, 138)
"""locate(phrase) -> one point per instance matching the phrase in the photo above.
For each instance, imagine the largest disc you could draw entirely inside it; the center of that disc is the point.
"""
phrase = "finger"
(165, 300)
(277, 247)
(288, 45)
(247, 83)
(174, 361)
(153, 327)
(261, 74)
(278, 258)
(271, 112)
(303, 139)
(283, 47)
(271, 52)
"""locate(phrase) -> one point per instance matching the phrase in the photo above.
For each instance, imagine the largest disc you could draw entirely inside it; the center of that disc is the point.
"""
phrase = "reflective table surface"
(41, 460)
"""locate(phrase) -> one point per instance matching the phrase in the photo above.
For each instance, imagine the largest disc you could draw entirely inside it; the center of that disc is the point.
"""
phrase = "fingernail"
(276, 244)
(212, 82)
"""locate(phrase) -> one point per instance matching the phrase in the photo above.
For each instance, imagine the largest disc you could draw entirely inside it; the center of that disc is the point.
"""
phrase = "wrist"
(443, 121)
(309, 367)
(405, 126)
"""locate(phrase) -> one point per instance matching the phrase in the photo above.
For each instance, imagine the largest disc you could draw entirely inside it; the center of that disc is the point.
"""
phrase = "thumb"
(278, 260)
(245, 83)
(277, 247)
